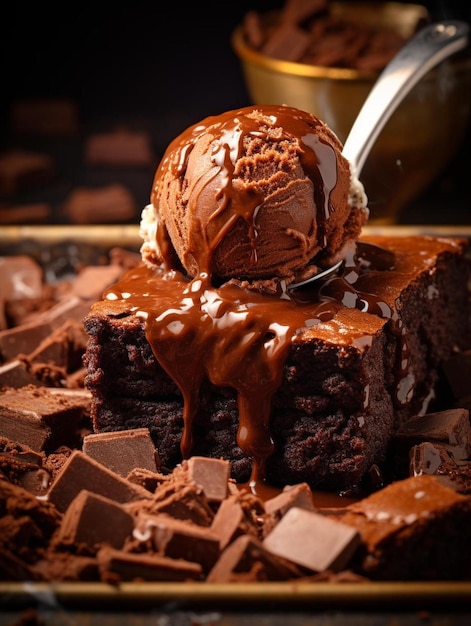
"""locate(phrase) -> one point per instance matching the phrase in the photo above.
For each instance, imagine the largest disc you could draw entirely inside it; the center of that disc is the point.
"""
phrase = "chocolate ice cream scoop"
(257, 193)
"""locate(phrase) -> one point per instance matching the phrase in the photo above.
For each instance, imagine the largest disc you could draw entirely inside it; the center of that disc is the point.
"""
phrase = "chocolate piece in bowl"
(319, 33)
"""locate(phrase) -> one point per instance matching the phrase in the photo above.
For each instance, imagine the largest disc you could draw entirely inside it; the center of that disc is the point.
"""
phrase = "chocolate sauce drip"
(239, 338)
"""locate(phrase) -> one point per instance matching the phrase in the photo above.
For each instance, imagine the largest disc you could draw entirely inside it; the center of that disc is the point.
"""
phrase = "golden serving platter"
(292, 595)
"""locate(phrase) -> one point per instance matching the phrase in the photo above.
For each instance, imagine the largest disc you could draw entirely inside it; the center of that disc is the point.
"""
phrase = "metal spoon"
(431, 45)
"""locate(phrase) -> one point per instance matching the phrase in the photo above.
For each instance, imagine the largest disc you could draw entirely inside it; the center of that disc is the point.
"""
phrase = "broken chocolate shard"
(82, 472)
(231, 521)
(247, 559)
(41, 420)
(451, 427)
(212, 475)
(117, 565)
(93, 519)
(299, 495)
(439, 460)
(178, 539)
(122, 451)
(312, 541)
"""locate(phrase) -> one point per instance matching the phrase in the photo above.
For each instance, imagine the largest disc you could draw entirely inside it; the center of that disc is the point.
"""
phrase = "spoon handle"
(425, 50)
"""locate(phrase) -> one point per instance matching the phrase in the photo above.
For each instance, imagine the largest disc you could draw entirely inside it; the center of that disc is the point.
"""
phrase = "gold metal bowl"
(422, 135)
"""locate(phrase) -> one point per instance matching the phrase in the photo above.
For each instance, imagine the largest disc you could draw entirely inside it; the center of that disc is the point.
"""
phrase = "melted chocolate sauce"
(239, 338)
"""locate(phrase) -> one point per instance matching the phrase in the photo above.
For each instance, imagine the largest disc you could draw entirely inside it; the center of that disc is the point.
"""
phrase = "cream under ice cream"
(260, 192)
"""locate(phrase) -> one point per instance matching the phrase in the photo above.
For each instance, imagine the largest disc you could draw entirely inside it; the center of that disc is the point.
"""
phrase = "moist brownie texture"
(347, 384)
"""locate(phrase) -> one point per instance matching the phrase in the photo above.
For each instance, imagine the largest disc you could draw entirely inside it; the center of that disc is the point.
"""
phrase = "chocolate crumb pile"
(77, 505)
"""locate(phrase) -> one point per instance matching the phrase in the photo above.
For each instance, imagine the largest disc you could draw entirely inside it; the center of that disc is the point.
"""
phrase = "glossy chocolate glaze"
(240, 338)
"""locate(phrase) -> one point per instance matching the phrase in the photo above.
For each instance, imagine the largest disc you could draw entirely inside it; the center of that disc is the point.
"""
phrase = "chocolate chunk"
(82, 472)
(63, 347)
(20, 277)
(39, 419)
(312, 541)
(93, 519)
(451, 426)
(24, 338)
(16, 374)
(247, 559)
(22, 466)
(122, 451)
(145, 478)
(180, 500)
(92, 280)
(439, 460)
(116, 566)
(178, 539)
(293, 495)
(212, 475)
(231, 521)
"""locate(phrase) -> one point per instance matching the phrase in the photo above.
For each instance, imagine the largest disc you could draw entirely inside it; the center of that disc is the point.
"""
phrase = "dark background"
(163, 70)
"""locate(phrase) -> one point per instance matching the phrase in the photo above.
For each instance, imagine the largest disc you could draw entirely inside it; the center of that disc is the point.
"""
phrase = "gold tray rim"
(314, 594)
(128, 234)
